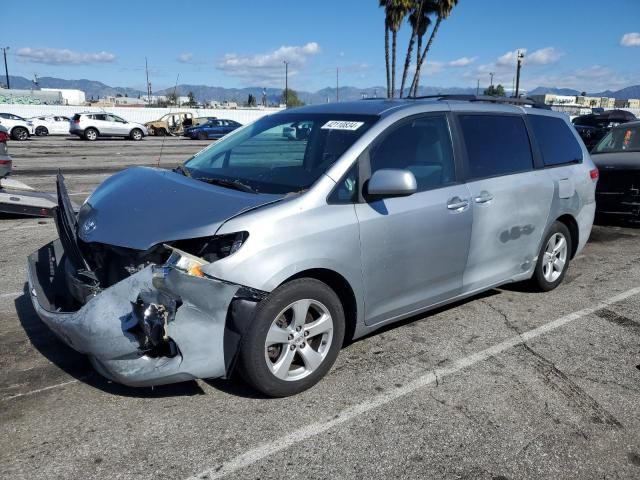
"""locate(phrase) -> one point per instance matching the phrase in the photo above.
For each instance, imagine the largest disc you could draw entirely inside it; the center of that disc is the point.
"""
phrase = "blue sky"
(570, 43)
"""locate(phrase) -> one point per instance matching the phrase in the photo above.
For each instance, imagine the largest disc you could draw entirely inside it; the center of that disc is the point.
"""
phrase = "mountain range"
(204, 93)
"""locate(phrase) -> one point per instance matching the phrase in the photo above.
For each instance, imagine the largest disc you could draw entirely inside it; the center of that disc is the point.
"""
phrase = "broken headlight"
(192, 255)
(214, 248)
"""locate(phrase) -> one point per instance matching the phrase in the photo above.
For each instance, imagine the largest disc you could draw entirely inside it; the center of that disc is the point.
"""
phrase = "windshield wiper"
(222, 182)
(180, 169)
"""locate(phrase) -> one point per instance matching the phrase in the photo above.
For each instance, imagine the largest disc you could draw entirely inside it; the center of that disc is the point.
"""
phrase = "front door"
(414, 249)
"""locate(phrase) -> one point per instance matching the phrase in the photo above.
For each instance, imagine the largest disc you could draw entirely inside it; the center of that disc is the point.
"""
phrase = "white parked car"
(18, 127)
(91, 125)
(50, 125)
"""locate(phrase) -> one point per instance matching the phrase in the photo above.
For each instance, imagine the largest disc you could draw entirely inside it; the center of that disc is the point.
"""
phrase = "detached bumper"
(106, 327)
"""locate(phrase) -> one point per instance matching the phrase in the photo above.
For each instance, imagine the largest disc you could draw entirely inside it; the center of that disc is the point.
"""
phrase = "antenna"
(175, 88)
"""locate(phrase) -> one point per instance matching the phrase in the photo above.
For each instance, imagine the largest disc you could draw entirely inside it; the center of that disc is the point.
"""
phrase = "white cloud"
(462, 62)
(631, 39)
(268, 68)
(55, 56)
(594, 78)
(544, 56)
(185, 57)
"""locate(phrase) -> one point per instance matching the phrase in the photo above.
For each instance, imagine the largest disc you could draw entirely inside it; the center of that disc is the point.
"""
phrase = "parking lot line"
(44, 389)
(267, 449)
(11, 295)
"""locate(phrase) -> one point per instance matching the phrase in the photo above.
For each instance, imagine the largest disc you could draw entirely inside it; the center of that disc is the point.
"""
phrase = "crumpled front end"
(160, 325)
(143, 317)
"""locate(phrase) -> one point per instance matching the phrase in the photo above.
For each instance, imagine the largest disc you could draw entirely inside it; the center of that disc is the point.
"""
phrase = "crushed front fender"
(104, 328)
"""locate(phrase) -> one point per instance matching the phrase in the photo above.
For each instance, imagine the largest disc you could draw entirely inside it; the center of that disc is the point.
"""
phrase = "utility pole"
(146, 68)
(518, 67)
(337, 86)
(478, 88)
(286, 84)
(491, 84)
(6, 69)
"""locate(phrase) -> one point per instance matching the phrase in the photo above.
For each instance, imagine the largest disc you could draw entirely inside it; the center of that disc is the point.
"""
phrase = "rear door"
(510, 199)
(414, 248)
(102, 123)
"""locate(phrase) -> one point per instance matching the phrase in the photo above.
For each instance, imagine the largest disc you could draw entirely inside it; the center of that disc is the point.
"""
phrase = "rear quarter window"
(496, 145)
(557, 143)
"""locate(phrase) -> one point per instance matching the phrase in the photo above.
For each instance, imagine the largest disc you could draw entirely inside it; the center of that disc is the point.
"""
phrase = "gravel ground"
(509, 384)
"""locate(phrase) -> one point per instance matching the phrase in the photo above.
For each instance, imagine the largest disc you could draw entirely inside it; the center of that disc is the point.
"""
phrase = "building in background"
(30, 97)
(628, 103)
(70, 96)
(576, 101)
(120, 101)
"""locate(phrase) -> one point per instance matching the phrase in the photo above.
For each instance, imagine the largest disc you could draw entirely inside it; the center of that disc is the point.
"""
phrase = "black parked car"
(594, 126)
(617, 156)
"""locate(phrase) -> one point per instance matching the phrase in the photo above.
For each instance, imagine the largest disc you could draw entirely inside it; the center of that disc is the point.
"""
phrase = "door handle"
(484, 197)
(457, 204)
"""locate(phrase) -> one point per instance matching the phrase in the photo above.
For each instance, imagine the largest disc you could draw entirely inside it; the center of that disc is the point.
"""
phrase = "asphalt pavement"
(509, 384)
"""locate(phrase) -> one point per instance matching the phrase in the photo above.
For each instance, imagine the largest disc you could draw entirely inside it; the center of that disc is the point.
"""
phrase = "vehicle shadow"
(604, 221)
(78, 366)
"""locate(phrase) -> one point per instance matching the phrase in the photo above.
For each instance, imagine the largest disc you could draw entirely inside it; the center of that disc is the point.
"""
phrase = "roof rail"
(486, 98)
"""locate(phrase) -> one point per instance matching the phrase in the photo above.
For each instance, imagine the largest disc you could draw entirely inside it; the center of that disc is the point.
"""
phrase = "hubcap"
(555, 257)
(298, 340)
(91, 134)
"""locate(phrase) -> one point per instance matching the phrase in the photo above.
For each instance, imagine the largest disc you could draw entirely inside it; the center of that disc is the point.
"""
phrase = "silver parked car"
(91, 125)
(263, 254)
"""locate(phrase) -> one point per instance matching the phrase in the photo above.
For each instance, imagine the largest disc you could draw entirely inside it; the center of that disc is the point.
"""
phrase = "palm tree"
(383, 3)
(443, 9)
(395, 12)
(419, 21)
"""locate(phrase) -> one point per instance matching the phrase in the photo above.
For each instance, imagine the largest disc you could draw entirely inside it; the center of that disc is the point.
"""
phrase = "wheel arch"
(571, 223)
(343, 290)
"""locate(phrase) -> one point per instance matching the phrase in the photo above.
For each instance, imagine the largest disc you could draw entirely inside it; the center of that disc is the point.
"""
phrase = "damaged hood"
(141, 207)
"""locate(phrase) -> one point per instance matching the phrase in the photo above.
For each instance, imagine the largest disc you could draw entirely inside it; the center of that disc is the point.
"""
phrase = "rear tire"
(20, 133)
(42, 131)
(136, 134)
(295, 338)
(203, 136)
(553, 259)
(91, 134)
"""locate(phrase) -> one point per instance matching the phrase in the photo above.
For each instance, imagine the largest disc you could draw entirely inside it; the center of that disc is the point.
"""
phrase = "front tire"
(554, 258)
(20, 133)
(295, 338)
(202, 136)
(42, 131)
(136, 134)
(91, 134)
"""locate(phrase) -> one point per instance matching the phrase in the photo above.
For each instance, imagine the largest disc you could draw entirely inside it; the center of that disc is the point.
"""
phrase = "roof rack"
(486, 98)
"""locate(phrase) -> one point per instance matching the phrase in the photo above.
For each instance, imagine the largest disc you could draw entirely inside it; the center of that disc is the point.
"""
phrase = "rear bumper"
(618, 205)
(106, 328)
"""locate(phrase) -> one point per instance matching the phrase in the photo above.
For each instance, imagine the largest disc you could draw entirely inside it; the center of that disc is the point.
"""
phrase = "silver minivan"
(265, 255)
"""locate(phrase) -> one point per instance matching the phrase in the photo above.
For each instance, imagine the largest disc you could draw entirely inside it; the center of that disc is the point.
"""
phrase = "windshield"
(620, 140)
(269, 157)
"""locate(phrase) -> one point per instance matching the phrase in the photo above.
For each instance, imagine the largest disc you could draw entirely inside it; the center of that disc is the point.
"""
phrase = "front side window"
(263, 158)
(621, 139)
(496, 145)
(422, 145)
(557, 144)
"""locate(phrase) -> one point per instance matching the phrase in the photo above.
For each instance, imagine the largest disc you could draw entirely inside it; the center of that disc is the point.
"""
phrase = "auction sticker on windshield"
(342, 125)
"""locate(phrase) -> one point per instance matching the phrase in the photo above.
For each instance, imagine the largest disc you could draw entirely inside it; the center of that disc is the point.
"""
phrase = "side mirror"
(391, 183)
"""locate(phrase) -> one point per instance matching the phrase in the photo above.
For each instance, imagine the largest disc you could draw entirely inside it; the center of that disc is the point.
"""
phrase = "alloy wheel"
(555, 257)
(298, 340)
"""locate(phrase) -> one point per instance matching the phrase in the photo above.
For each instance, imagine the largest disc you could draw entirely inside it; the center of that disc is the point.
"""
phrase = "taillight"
(4, 137)
(594, 174)
(76, 120)
(5, 163)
